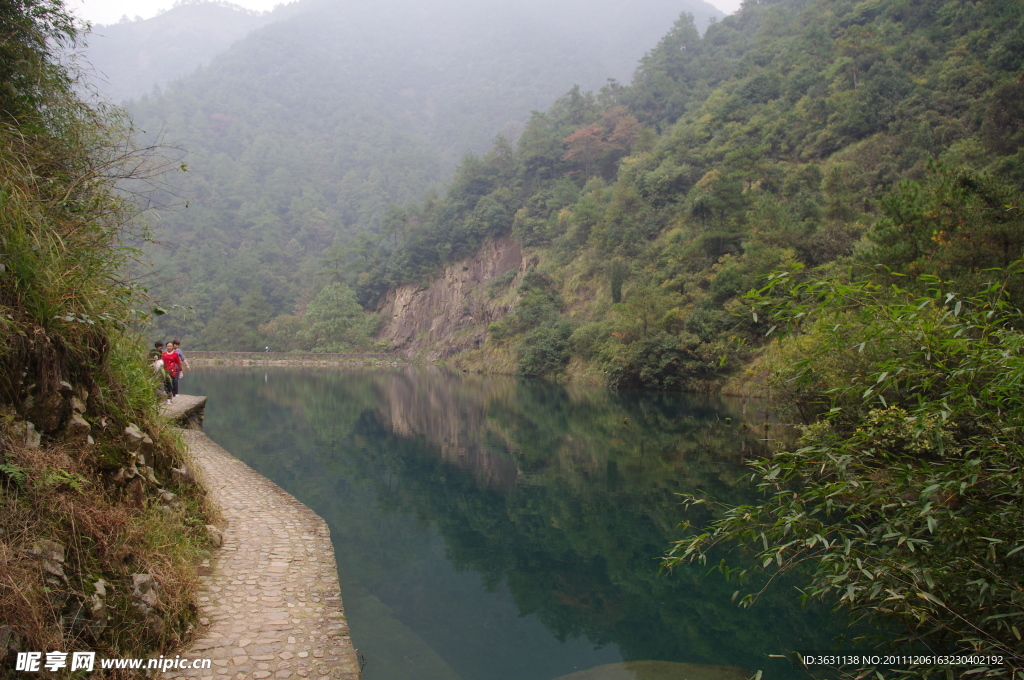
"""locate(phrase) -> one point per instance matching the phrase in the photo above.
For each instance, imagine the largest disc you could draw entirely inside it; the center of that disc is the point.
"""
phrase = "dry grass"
(68, 497)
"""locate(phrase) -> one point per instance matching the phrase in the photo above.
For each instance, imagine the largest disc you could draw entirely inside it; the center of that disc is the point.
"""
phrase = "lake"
(490, 528)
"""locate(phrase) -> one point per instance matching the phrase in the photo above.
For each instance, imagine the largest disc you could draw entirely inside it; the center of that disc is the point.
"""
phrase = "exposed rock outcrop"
(453, 312)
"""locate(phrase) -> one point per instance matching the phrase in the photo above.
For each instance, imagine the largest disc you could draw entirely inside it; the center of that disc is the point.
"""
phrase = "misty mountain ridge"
(132, 57)
(303, 133)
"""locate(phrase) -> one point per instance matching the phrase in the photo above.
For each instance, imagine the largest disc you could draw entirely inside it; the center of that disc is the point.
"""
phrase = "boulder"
(170, 499)
(134, 436)
(78, 428)
(146, 596)
(47, 412)
(10, 641)
(140, 442)
(146, 590)
(97, 607)
(181, 475)
(50, 556)
(146, 473)
(216, 538)
(26, 433)
(136, 493)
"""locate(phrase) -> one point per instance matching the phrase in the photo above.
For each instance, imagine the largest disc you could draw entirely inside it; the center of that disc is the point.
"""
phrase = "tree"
(586, 146)
(237, 326)
(953, 223)
(904, 503)
(334, 321)
(617, 275)
(32, 33)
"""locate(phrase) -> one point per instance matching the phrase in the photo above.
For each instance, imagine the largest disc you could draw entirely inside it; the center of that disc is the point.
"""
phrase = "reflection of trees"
(583, 559)
(567, 497)
(451, 414)
(485, 423)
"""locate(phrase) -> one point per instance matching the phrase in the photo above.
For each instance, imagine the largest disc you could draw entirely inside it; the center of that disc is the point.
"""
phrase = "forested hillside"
(101, 523)
(301, 135)
(135, 57)
(861, 164)
(793, 133)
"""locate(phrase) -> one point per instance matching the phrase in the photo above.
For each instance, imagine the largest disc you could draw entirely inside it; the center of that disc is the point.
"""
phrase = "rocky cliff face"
(452, 313)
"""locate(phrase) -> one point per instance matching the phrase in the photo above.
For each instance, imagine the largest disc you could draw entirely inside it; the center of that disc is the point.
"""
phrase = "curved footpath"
(270, 602)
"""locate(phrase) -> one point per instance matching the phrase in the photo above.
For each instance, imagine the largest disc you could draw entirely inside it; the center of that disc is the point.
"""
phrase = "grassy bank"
(101, 520)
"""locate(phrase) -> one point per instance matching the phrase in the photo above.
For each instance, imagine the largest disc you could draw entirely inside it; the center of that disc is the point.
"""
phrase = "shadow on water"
(490, 528)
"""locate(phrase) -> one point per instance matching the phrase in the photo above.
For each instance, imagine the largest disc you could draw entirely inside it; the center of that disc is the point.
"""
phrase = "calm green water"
(489, 528)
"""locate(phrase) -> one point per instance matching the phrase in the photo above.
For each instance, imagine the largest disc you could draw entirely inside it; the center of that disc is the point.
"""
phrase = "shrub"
(905, 497)
(544, 350)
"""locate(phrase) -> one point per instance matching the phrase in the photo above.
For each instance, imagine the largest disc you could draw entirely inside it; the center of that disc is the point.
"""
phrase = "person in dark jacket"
(157, 361)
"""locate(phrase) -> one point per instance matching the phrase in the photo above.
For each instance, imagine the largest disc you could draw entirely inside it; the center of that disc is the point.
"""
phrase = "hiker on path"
(184, 362)
(172, 367)
(157, 362)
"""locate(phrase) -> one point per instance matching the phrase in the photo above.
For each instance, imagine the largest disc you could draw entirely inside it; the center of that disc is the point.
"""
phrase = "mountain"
(132, 57)
(880, 135)
(303, 133)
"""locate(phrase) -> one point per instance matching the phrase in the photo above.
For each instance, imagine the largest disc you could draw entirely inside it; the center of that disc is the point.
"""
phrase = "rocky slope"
(451, 314)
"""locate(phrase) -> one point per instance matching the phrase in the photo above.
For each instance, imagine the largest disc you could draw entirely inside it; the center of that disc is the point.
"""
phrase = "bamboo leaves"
(906, 494)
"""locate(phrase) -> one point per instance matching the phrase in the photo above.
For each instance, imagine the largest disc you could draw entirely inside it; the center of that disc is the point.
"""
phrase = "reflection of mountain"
(451, 416)
(512, 432)
(459, 499)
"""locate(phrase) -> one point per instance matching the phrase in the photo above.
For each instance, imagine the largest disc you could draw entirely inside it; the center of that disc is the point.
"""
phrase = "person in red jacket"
(172, 366)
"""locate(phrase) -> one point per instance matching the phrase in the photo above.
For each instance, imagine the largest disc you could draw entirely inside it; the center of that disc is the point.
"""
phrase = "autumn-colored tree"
(586, 146)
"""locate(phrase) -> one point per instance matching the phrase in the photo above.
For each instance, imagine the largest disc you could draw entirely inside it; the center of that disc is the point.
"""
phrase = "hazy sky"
(111, 11)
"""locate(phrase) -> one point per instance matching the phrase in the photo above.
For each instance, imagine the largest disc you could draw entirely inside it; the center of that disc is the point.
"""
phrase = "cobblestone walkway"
(270, 601)
(182, 407)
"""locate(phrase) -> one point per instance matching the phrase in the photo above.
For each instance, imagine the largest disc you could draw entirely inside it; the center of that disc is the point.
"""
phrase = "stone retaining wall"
(292, 359)
(270, 602)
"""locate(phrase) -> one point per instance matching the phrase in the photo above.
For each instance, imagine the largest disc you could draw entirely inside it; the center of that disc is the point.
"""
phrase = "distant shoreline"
(199, 358)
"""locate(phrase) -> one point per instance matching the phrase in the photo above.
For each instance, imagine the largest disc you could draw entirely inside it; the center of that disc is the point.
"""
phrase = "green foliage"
(236, 325)
(334, 321)
(539, 304)
(55, 477)
(904, 498)
(617, 275)
(63, 246)
(544, 351)
(588, 339)
(649, 362)
(303, 135)
(32, 34)
(15, 472)
(282, 333)
(791, 133)
(70, 310)
(955, 223)
(498, 285)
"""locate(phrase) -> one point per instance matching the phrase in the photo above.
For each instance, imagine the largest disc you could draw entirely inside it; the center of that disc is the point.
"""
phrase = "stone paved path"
(270, 602)
(182, 407)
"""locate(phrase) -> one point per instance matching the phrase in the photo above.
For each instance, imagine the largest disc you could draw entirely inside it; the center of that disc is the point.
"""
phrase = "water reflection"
(495, 528)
